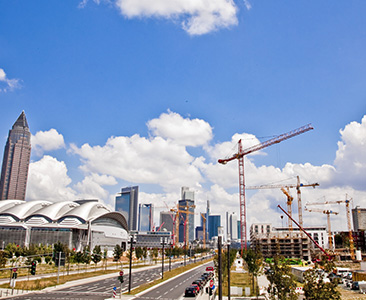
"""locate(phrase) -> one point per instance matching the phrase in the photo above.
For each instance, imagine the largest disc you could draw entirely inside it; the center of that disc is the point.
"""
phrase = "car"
(333, 277)
(355, 286)
(198, 282)
(197, 288)
(190, 292)
(204, 279)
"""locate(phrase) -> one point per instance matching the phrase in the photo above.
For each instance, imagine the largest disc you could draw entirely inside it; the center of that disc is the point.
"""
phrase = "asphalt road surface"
(102, 289)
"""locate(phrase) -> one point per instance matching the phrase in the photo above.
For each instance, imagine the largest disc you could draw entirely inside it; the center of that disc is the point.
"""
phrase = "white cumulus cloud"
(48, 180)
(7, 84)
(182, 131)
(47, 141)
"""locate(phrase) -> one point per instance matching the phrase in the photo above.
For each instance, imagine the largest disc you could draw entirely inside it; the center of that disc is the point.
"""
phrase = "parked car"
(333, 277)
(197, 288)
(190, 292)
(198, 282)
(355, 285)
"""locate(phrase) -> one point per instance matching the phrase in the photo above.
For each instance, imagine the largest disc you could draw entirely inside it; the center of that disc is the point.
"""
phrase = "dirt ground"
(351, 295)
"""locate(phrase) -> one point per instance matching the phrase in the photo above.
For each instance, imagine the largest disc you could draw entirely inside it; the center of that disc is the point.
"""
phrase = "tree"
(96, 255)
(78, 258)
(254, 261)
(117, 252)
(86, 255)
(155, 253)
(139, 252)
(282, 284)
(314, 286)
(3, 259)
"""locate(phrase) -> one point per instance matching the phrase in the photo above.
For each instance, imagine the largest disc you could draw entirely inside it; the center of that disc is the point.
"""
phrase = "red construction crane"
(330, 257)
(348, 212)
(240, 157)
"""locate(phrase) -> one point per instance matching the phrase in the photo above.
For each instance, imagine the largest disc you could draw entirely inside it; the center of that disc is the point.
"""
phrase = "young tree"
(155, 253)
(96, 255)
(138, 252)
(117, 252)
(254, 261)
(87, 256)
(314, 286)
(282, 284)
(3, 259)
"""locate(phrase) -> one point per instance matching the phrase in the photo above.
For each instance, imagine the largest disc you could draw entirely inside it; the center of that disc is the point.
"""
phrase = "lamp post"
(170, 255)
(131, 242)
(162, 241)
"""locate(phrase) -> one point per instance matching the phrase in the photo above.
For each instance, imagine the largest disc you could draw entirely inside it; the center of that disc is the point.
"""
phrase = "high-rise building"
(14, 171)
(214, 224)
(126, 204)
(166, 221)
(146, 217)
(187, 203)
(359, 218)
(232, 226)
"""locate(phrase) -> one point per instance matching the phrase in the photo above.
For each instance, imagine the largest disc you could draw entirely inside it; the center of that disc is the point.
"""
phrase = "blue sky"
(114, 76)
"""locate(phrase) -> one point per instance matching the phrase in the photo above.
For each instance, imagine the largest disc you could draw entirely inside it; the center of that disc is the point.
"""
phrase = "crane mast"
(348, 212)
(328, 213)
(298, 187)
(240, 157)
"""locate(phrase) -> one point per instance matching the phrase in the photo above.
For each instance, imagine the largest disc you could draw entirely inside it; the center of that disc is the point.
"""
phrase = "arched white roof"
(6, 204)
(54, 211)
(86, 212)
(25, 209)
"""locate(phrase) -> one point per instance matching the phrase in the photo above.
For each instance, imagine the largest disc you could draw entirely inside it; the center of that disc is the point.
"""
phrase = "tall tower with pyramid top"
(14, 171)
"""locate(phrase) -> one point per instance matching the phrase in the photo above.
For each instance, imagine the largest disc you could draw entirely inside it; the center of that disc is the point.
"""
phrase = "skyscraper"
(166, 220)
(14, 171)
(214, 223)
(126, 204)
(187, 203)
(146, 215)
(232, 226)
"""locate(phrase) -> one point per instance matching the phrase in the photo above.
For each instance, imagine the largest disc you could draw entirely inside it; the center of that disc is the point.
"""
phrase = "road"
(174, 289)
(102, 289)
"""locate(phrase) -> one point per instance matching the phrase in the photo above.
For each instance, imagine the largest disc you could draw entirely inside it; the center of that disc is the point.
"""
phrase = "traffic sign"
(211, 283)
(209, 269)
(15, 269)
(120, 273)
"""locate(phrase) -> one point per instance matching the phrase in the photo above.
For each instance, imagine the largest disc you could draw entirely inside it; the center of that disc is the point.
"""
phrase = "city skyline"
(124, 96)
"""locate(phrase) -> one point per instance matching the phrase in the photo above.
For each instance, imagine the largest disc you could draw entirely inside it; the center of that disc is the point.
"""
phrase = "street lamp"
(163, 241)
(170, 255)
(131, 242)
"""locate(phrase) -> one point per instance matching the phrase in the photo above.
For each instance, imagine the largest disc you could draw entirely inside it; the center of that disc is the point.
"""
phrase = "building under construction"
(283, 241)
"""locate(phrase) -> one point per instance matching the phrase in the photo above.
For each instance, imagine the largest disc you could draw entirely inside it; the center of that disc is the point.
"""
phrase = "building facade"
(126, 204)
(214, 224)
(73, 224)
(14, 171)
(288, 243)
(146, 217)
(166, 221)
(359, 218)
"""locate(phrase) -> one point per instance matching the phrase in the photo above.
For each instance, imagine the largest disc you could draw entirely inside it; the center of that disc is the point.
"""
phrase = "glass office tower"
(146, 217)
(126, 204)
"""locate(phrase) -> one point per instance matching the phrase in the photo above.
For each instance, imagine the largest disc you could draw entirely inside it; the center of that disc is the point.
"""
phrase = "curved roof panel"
(87, 211)
(25, 209)
(6, 204)
(54, 211)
